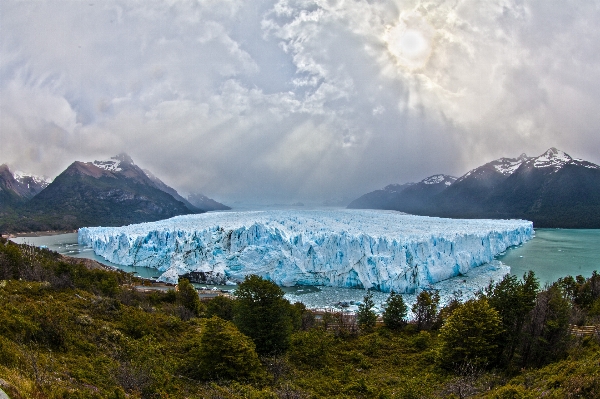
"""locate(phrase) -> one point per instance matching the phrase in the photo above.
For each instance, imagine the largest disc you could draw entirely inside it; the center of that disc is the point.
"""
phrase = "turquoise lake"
(555, 253)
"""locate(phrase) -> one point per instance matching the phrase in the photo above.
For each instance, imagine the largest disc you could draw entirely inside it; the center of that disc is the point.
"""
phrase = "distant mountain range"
(107, 193)
(552, 190)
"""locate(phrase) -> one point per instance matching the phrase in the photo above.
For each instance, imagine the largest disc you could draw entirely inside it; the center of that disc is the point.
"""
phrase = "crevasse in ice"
(380, 250)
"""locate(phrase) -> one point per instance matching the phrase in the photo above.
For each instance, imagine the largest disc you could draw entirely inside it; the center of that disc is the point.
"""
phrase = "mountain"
(163, 187)
(552, 190)
(32, 183)
(109, 193)
(18, 188)
(409, 197)
(206, 204)
(11, 191)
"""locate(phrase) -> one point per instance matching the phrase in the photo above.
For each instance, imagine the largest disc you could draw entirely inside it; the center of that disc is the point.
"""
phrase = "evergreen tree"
(394, 314)
(425, 309)
(469, 335)
(366, 318)
(263, 314)
(223, 353)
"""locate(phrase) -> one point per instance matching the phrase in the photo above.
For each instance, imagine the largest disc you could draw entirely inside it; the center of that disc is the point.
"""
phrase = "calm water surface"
(555, 253)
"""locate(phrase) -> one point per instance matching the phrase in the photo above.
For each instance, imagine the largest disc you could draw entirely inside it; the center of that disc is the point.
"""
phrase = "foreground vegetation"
(67, 331)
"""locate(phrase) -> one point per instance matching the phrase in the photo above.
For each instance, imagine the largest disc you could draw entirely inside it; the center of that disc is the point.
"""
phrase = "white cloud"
(296, 99)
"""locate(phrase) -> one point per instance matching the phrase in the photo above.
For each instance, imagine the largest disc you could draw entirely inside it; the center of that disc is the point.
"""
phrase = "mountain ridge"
(108, 192)
(552, 190)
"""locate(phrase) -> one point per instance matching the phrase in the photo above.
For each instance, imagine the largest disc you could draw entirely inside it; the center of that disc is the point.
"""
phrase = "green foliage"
(311, 348)
(469, 336)
(63, 336)
(187, 296)
(263, 314)
(511, 392)
(222, 352)
(220, 306)
(366, 318)
(425, 309)
(394, 314)
(514, 300)
(546, 332)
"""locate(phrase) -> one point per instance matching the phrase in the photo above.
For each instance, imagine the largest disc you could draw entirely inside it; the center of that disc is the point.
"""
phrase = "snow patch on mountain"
(114, 164)
(436, 179)
(28, 178)
(507, 166)
(381, 250)
(552, 158)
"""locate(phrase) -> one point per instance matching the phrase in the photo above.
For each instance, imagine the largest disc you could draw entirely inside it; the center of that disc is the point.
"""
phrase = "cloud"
(282, 100)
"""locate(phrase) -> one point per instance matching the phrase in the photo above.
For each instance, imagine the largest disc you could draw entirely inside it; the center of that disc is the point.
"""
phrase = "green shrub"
(470, 335)
(311, 348)
(222, 352)
(220, 306)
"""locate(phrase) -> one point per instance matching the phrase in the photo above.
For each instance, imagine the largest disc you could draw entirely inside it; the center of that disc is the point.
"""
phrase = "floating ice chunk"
(380, 250)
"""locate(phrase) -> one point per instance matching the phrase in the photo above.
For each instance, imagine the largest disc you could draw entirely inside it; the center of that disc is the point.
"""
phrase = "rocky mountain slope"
(112, 192)
(552, 190)
(409, 197)
(207, 204)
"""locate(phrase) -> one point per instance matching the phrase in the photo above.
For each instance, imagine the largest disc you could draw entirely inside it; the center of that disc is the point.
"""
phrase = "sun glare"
(410, 41)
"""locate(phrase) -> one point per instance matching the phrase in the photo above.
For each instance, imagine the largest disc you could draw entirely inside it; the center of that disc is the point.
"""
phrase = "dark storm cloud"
(296, 100)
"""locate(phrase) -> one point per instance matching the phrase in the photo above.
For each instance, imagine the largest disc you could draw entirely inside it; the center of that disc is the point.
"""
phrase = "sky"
(296, 100)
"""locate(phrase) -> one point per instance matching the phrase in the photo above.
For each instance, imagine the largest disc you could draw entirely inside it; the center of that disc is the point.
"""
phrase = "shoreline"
(38, 233)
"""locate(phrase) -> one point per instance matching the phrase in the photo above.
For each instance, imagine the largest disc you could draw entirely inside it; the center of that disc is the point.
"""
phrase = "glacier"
(370, 249)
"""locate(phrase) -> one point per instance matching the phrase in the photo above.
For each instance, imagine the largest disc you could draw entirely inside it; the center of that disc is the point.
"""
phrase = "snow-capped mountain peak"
(436, 179)
(114, 164)
(552, 158)
(28, 179)
(507, 166)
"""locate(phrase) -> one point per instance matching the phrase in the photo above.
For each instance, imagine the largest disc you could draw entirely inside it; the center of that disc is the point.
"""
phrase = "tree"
(220, 306)
(223, 353)
(263, 314)
(394, 314)
(546, 331)
(469, 335)
(425, 309)
(513, 299)
(187, 296)
(366, 318)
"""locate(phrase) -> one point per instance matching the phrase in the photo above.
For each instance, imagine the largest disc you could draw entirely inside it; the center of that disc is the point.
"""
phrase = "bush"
(311, 348)
(187, 296)
(223, 353)
(220, 306)
(470, 335)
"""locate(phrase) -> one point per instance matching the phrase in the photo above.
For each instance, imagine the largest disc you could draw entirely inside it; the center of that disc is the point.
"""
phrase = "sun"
(410, 41)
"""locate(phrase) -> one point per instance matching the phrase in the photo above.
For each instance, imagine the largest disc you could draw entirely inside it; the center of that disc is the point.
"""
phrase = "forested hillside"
(71, 331)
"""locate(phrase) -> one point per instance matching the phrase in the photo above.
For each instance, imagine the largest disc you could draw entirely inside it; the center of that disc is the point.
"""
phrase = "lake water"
(66, 244)
(553, 253)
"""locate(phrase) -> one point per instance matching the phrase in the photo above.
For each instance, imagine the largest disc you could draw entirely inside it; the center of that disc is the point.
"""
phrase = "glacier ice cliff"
(380, 250)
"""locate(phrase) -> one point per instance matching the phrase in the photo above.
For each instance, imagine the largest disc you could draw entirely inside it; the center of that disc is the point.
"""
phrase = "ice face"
(380, 250)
